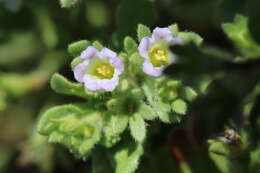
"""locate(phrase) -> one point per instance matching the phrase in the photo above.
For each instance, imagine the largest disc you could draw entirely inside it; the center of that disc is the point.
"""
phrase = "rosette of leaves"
(105, 117)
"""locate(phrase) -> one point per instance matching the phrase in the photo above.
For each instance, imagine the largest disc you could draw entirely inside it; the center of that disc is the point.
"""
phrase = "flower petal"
(176, 40)
(79, 72)
(117, 63)
(91, 83)
(108, 53)
(88, 53)
(109, 85)
(149, 69)
(144, 46)
(92, 86)
(162, 34)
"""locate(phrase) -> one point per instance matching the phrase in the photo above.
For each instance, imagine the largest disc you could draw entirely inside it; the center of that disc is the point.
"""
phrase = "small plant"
(123, 92)
(113, 86)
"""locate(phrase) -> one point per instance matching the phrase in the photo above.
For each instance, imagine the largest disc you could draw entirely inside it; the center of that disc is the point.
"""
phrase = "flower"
(99, 69)
(155, 50)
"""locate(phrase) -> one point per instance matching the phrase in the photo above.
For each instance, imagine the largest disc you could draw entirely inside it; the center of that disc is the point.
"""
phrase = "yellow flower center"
(159, 56)
(103, 70)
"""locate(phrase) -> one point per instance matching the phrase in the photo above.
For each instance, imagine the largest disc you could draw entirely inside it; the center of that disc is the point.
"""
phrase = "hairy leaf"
(63, 86)
(75, 62)
(137, 127)
(78, 127)
(189, 93)
(126, 157)
(190, 37)
(98, 45)
(147, 112)
(160, 108)
(76, 48)
(179, 106)
(135, 63)
(130, 45)
(143, 31)
(174, 29)
(114, 126)
(163, 110)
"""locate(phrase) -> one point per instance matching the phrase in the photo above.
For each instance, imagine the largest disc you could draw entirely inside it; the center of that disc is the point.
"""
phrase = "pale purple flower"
(155, 50)
(99, 70)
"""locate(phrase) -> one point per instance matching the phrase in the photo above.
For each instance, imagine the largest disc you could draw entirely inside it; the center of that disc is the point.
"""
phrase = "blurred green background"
(34, 35)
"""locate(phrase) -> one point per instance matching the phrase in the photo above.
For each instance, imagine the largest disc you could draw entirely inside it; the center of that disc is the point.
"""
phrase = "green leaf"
(179, 106)
(130, 45)
(190, 37)
(189, 93)
(150, 92)
(218, 147)
(137, 127)
(123, 85)
(126, 156)
(78, 127)
(119, 105)
(98, 45)
(174, 29)
(143, 31)
(163, 110)
(115, 125)
(147, 112)
(168, 91)
(63, 86)
(219, 155)
(239, 34)
(76, 48)
(137, 94)
(222, 163)
(135, 63)
(75, 62)
(113, 104)
(67, 3)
